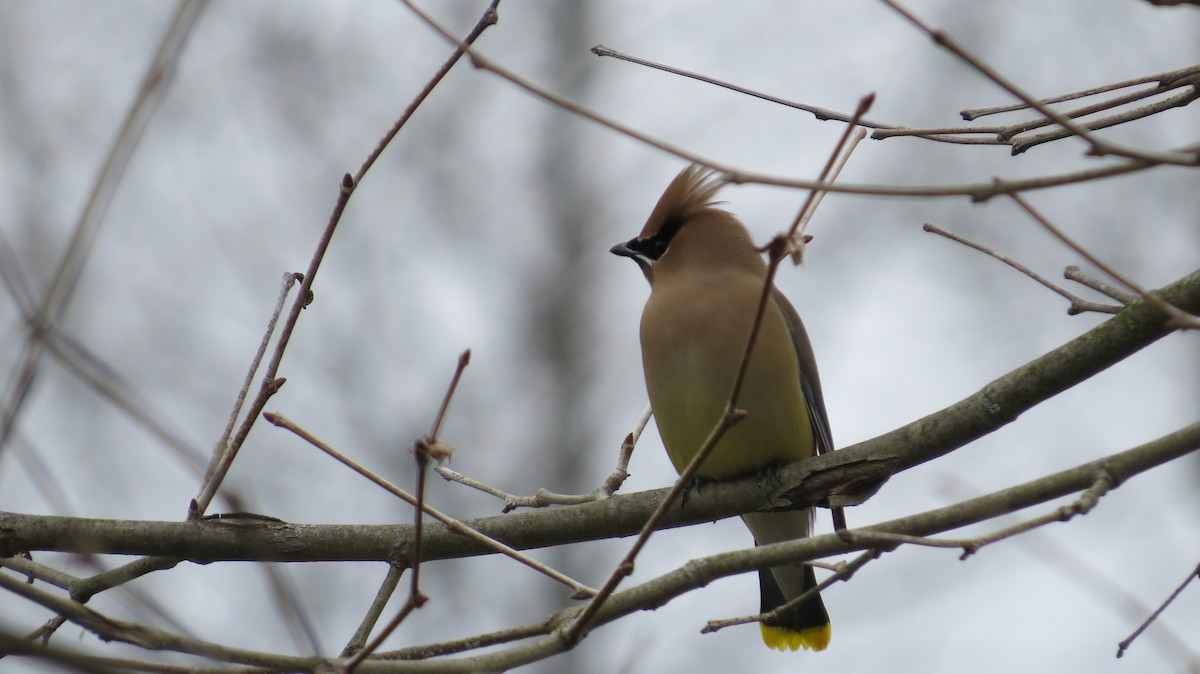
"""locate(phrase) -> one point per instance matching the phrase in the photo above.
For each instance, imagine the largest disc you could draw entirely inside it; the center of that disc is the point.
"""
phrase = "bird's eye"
(657, 248)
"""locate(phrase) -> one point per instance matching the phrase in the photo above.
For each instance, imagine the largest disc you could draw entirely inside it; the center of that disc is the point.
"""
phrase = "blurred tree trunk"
(559, 320)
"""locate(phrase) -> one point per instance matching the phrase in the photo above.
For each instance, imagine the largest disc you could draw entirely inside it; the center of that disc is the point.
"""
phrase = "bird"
(706, 280)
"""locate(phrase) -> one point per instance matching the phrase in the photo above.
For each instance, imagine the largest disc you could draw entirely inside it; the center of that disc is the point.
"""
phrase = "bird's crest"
(688, 195)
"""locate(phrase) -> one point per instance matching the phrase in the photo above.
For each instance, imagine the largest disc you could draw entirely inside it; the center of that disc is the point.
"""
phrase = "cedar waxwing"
(706, 279)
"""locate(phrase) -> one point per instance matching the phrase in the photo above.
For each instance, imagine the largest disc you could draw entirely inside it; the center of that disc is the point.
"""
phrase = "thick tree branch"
(700, 572)
(844, 475)
(695, 574)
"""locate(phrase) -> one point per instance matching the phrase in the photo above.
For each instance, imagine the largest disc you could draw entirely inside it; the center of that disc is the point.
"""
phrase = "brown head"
(686, 228)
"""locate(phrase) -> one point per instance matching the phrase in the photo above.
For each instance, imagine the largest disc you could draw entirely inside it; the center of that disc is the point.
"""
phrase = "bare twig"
(489, 18)
(544, 497)
(87, 588)
(390, 581)
(880, 542)
(464, 359)
(833, 169)
(1098, 146)
(270, 384)
(1073, 273)
(841, 572)
(1164, 80)
(1176, 317)
(222, 446)
(1124, 645)
(1020, 145)
(470, 643)
(454, 525)
(155, 84)
(971, 135)
(59, 659)
(92, 370)
(349, 183)
(414, 602)
(822, 114)
(149, 637)
(978, 192)
(1079, 567)
(731, 416)
(425, 449)
(133, 597)
(1078, 304)
(1007, 135)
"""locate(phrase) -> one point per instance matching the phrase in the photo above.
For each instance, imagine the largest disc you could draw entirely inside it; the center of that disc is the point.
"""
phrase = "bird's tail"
(805, 625)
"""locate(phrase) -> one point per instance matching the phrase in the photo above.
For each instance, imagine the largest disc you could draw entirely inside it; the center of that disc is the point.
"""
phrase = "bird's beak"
(623, 250)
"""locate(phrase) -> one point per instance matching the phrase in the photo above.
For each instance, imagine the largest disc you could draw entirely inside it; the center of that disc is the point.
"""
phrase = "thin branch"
(977, 192)
(270, 383)
(74, 586)
(1124, 645)
(1098, 146)
(1073, 273)
(1007, 135)
(1078, 304)
(390, 581)
(62, 659)
(89, 587)
(843, 572)
(1180, 100)
(880, 542)
(969, 135)
(414, 602)
(833, 169)
(543, 497)
(728, 419)
(425, 449)
(470, 643)
(454, 525)
(15, 280)
(93, 371)
(223, 444)
(292, 612)
(349, 183)
(1078, 566)
(464, 359)
(490, 18)
(149, 637)
(1164, 80)
(1177, 318)
(821, 114)
(24, 565)
(1103, 483)
(155, 84)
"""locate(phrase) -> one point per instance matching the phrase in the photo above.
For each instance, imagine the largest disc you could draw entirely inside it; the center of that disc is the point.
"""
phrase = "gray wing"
(810, 381)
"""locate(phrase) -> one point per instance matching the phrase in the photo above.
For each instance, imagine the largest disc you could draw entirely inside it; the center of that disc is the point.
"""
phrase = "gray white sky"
(486, 225)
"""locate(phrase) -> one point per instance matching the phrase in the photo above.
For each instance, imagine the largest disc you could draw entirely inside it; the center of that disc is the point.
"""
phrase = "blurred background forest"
(486, 225)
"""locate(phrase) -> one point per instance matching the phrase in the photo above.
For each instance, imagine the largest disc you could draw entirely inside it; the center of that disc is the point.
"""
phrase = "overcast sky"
(486, 225)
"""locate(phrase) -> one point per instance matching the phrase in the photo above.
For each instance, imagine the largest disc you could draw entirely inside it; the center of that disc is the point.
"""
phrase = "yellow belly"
(690, 385)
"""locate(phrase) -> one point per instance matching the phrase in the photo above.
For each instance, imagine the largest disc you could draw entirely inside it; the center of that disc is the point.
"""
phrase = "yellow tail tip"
(809, 638)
